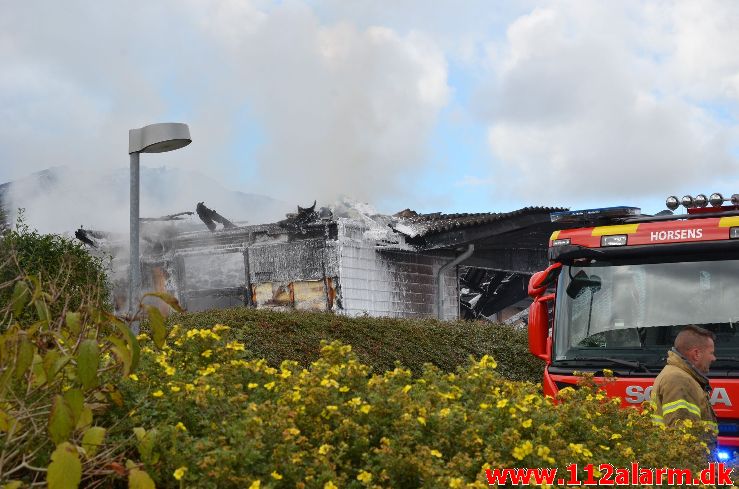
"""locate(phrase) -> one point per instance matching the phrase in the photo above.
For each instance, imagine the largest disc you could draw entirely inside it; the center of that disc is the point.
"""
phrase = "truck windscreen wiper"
(636, 365)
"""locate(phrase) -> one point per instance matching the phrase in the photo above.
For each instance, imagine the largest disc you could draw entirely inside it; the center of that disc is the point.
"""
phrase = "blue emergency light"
(594, 215)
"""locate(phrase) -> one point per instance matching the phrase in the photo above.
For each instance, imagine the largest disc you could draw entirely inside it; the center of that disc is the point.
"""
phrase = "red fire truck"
(621, 285)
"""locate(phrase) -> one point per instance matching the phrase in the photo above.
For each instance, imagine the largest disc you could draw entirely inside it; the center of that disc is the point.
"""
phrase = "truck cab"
(621, 286)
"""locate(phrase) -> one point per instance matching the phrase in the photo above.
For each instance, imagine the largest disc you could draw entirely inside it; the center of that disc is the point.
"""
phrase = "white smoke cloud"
(595, 100)
(339, 109)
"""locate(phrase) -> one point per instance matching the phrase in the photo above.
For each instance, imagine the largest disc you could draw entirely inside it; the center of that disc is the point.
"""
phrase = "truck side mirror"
(540, 281)
(539, 326)
(539, 310)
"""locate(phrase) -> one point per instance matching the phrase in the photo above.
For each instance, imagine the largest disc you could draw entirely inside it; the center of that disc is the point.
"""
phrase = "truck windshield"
(633, 311)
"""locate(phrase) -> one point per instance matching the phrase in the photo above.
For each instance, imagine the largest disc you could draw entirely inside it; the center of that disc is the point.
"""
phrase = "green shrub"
(69, 273)
(378, 342)
(211, 416)
(62, 354)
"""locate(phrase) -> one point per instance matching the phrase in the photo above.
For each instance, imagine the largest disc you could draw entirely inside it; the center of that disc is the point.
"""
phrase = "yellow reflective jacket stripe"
(673, 406)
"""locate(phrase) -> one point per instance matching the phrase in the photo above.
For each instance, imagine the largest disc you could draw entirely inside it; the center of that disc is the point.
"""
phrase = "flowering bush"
(207, 415)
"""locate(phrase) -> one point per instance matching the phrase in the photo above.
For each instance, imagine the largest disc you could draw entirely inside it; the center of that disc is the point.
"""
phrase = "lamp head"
(158, 138)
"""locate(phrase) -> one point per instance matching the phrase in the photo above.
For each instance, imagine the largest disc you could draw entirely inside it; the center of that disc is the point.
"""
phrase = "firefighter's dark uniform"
(682, 392)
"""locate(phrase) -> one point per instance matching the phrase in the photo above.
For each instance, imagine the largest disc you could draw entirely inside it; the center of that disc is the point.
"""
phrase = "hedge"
(377, 342)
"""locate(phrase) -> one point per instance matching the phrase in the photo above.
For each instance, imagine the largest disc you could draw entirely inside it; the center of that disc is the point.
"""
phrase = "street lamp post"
(154, 138)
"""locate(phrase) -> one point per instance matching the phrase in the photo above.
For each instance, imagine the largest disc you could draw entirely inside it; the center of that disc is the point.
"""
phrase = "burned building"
(354, 263)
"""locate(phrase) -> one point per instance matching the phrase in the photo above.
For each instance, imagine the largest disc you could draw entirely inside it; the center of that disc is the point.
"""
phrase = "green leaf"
(88, 359)
(53, 363)
(146, 442)
(26, 349)
(42, 310)
(85, 418)
(133, 343)
(76, 402)
(170, 300)
(138, 479)
(4, 421)
(92, 439)
(120, 349)
(65, 469)
(60, 421)
(73, 323)
(21, 296)
(156, 322)
(37, 371)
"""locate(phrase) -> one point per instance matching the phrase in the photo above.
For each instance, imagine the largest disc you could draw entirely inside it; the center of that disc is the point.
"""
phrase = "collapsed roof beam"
(210, 217)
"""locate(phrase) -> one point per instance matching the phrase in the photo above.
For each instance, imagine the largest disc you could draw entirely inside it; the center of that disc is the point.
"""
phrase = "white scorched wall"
(390, 283)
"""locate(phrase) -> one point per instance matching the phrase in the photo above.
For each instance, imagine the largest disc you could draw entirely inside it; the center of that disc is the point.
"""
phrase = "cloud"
(586, 103)
(472, 181)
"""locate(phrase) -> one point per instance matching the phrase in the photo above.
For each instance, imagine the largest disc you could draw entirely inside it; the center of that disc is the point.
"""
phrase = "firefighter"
(682, 391)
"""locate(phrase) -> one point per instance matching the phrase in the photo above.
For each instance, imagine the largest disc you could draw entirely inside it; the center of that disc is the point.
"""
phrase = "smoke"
(62, 199)
(279, 104)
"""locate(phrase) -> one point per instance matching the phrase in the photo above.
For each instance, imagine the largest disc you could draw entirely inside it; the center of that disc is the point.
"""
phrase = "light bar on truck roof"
(594, 215)
(700, 201)
(672, 203)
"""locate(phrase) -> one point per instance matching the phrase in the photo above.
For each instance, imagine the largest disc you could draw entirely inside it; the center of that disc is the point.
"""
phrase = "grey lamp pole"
(154, 138)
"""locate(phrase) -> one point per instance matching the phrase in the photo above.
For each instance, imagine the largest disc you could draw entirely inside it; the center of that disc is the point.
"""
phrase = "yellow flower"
(207, 353)
(455, 482)
(252, 385)
(142, 336)
(324, 449)
(364, 477)
(444, 412)
(221, 327)
(615, 436)
(331, 408)
(276, 475)
(133, 377)
(487, 361)
(158, 393)
(521, 451)
(502, 403)
(256, 484)
(174, 388)
(527, 423)
(366, 408)
(269, 386)
(329, 485)
(180, 473)
(344, 388)
(235, 346)
(293, 431)
(435, 453)
(607, 372)
(285, 373)
(180, 426)
(407, 388)
(421, 420)
(169, 371)
(189, 387)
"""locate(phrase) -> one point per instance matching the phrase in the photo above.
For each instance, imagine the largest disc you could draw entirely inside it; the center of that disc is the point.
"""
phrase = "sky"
(437, 106)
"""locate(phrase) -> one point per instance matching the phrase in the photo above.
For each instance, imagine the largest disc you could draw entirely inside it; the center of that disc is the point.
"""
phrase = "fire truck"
(620, 287)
